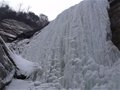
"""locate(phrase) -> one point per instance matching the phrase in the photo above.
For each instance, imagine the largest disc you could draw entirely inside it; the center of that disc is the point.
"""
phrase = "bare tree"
(28, 9)
(3, 3)
(20, 5)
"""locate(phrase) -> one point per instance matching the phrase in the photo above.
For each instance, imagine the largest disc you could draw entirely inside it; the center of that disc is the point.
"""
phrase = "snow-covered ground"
(17, 84)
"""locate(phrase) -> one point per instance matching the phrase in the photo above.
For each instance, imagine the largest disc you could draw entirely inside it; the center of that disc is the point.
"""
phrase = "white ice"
(75, 50)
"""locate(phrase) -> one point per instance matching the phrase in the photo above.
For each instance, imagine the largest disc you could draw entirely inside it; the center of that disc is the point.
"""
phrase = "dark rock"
(113, 2)
(114, 14)
(10, 29)
(21, 76)
(7, 68)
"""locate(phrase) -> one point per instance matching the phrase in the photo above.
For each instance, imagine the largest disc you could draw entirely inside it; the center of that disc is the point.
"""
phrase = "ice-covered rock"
(26, 68)
(14, 65)
(7, 68)
(76, 49)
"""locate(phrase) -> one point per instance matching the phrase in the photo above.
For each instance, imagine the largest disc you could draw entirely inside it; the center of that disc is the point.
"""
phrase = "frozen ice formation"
(75, 49)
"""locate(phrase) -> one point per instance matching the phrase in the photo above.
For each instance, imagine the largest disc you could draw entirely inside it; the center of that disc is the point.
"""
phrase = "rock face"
(76, 50)
(114, 14)
(10, 29)
(7, 69)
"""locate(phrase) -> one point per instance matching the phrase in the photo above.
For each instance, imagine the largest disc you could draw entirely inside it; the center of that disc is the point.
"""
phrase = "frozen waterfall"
(75, 49)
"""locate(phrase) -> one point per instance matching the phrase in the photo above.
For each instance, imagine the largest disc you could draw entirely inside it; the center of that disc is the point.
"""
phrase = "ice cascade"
(75, 49)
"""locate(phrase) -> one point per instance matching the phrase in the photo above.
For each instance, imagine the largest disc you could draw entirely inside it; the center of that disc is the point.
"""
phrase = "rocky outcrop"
(13, 65)
(11, 29)
(7, 68)
(114, 14)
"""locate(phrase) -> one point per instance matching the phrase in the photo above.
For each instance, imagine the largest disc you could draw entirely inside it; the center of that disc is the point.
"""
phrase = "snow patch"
(26, 67)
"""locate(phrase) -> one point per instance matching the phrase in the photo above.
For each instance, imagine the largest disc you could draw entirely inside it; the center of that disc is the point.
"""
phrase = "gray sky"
(51, 8)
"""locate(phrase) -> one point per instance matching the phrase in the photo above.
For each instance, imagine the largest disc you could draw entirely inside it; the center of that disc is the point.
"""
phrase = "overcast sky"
(51, 8)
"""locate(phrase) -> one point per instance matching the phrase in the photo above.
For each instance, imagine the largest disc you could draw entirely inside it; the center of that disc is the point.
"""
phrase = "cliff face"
(10, 29)
(114, 14)
(7, 69)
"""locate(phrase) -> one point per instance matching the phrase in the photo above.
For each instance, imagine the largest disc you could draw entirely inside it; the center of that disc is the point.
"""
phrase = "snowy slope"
(75, 49)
